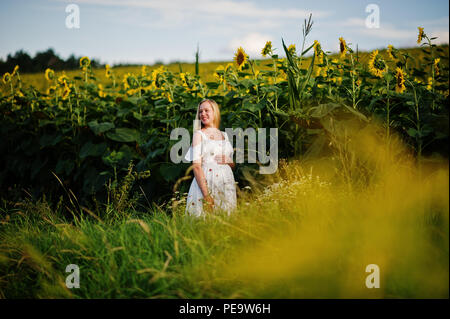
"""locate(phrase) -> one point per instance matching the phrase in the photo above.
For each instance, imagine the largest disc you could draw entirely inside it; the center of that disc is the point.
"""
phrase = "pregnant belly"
(215, 170)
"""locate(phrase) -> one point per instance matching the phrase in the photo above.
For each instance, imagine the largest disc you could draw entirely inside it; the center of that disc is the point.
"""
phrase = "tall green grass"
(308, 232)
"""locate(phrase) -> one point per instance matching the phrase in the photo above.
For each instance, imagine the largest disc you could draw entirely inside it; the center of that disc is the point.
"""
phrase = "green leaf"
(306, 50)
(323, 109)
(90, 149)
(412, 132)
(99, 128)
(50, 140)
(155, 153)
(135, 100)
(64, 167)
(212, 85)
(252, 107)
(289, 57)
(123, 135)
(171, 172)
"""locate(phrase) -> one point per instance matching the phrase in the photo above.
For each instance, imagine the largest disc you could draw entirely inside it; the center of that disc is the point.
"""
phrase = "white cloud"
(179, 12)
(442, 36)
(389, 31)
(252, 43)
(353, 22)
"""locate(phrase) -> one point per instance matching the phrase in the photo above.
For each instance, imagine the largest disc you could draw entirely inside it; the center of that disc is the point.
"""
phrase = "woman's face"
(206, 114)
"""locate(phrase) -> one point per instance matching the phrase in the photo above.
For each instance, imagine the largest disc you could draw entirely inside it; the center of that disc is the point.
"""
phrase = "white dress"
(219, 177)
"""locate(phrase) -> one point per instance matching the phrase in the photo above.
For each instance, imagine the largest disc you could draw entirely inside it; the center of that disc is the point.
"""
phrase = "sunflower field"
(86, 131)
(86, 177)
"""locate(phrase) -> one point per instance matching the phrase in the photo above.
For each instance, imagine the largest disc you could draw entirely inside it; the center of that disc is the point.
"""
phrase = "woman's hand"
(209, 205)
(222, 159)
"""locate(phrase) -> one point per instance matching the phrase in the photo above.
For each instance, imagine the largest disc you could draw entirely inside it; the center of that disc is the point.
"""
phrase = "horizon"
(177, 27)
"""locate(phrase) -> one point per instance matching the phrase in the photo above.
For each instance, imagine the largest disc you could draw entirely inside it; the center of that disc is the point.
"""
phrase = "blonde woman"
(211, 153)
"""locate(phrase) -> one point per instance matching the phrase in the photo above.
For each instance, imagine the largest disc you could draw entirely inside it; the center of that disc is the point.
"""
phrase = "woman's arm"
(198, 171)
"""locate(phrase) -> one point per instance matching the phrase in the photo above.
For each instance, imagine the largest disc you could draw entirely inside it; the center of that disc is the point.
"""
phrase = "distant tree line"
(40, 62)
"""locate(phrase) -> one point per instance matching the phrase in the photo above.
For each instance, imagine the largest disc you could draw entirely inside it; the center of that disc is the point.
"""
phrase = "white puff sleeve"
(194, 153)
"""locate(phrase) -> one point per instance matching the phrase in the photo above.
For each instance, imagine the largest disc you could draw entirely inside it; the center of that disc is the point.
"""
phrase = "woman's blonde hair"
(198, 123)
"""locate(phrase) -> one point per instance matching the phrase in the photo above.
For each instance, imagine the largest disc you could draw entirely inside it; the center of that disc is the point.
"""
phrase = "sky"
(147, 31)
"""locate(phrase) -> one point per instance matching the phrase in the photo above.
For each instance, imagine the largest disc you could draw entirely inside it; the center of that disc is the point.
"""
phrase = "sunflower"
(184, 80)
(229, 67)
(158, 76)
(400, 80)
(421, 35)
(16, 68)
(144, 70)
(267, 49)
(436, 66)
(65, 91)
(318, 71)
(317, 47)
(391, 52)
(169, 97)
(130, 81)
(240, 58)
(101, 92)
(377, 66)
(337, 80)
(219, 72)
(85, 62)
(51, 90)
(108, 72)
(430, 83)
(342, 47)
(63, 79)
(6, 78)
(49, 74)
(292, 50)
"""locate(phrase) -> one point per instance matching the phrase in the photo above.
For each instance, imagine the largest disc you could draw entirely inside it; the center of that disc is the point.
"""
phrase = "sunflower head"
(292, 50)
(158, 76)
(430, 83)
(267, 49)
(65, 91)
(108, 72)
(229, 67)
(400, 81)
(377, 66)
(6, 78)
(436, 66)
(16, 69)
(240, 58)
(144, 70)
(130, 81)
(63, 79)
(49, 74)
(184, 81)
(85, 62)
(391, 52)
(421, 35)
(219, 73)
(51, 90)
(317, 48)
(342, 47)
